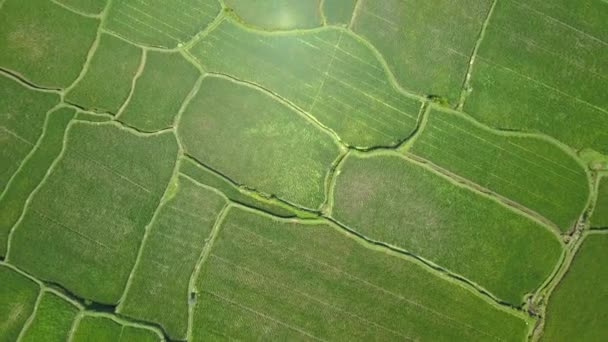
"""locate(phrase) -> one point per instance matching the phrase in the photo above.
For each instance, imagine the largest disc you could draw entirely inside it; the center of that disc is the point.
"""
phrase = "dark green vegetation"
(600, 214)
(256, 124)
(339, 170)
(578, 308)
(35, 46)
(534, 172)
(52, 321)
(395, 200)
(159, 286)
(274, 279)
(328, 73)
(89, 239)
(18, 296)
(539, 69)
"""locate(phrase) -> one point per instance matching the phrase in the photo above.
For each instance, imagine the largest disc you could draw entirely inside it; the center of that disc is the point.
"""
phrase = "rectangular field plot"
(391, 199)
(17, 302)
(158, 291)
(427, 44)
(84, 225)
(107, 82)
(257, 141)
(159, 92)
(160, 23)
(32, 171)
(328, 73)
(203, 175)
(536, 72)
(276, 279)
(581, 294)
(52, 321)
(531, 171)
(277, 14)
(104, 328)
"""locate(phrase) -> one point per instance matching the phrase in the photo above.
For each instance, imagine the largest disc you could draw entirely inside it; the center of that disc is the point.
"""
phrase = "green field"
(418, 41)
(102, 328)
(277, 279)
(17, 300)
(22, 116)
(287, 170)
(255, 123)
(391, 199)
(160, 90)
(277, 14)
(539, 70)
(107, 79)
(88, 241)
(34, 46)
(53, 319)
(158, 291)
(573, 299)
(160, 23)
(534, 172)
(328, 73)
(32, 171)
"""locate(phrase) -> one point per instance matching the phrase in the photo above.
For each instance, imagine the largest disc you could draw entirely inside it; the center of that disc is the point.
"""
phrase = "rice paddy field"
(303, 170)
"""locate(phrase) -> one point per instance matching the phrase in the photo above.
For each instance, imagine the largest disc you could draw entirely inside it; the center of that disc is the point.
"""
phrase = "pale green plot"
(161, 23)
(599, 219)
(538, 73)
(277, 14)
(53, 320)
(22, 115)
(578, 307)
(159, 289)
(85, 6)
(235, 193)
(257, 141)
(84, 225)
(339, 12)
(17, 299)
(99, 328)
(531, 171)
(390, 199)
(32, 172)
(283, 279)
(427, 44)
(107, 81)
(33, 41)
(328, 73)
(159, 92)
